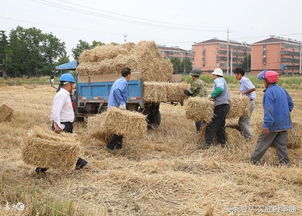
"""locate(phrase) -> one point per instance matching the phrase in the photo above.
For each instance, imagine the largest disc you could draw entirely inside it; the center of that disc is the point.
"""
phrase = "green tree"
(3, 50)
(187, 65)
(246, 63)
(83, 45)
(177, 66)
(64, 59)
(32, 52)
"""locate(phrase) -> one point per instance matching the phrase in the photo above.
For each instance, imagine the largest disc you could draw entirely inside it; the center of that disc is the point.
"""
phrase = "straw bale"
(47, 149)
(5, 112)
(84, 57)
(95, 127)
(155, 92)
(198, 108)
(239, 106)
(175, 91)
(126, 123)
(128, 46)
(294, 135)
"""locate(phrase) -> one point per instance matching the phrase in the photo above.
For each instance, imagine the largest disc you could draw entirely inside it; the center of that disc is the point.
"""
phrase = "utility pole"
(231, 72)
(228, 52)
(125, 38)
(300, 58)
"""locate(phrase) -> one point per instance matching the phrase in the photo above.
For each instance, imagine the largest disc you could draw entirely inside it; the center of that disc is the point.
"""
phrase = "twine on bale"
(143, 57)
(5, 113)
(198, 108)
(47, 149)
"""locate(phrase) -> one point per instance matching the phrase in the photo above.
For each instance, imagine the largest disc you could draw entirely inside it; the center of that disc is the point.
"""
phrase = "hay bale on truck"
(143, 57)
(47, 149)
(5, 112)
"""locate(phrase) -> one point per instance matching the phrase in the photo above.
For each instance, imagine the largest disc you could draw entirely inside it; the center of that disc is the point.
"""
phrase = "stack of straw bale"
(164, 92)
(294, 135)
(129, 124)
(239, 106)
(47, 149)
(5, 112)
(142, 57)
(198, 108)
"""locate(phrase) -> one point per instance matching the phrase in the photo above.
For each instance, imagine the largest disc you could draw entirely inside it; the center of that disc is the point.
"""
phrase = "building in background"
(278, 54)
(169, 52)
(213, 53)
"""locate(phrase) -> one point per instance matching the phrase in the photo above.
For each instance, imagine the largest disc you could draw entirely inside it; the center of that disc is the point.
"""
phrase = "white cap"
(218, 72)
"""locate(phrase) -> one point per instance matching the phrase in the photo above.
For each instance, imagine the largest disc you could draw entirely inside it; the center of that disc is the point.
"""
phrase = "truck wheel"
(157, 119)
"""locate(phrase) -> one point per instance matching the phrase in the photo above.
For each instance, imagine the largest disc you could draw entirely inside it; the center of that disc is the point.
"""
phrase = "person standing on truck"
(62, 113)
(197, 89)
(221, 97)
(277, 105)
(248, 89)
(118, 98)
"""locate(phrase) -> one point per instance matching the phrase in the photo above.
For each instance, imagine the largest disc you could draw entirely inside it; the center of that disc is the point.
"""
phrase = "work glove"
(187, 92)
(122, 106)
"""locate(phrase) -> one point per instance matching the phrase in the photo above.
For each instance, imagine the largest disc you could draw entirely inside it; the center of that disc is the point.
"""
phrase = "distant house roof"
(171, 48)
(67, 66)
(276, 40)
(215, 40)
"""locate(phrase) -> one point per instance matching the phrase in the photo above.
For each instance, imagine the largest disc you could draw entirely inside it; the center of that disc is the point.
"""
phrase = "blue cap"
(67, 77)
(261, 75)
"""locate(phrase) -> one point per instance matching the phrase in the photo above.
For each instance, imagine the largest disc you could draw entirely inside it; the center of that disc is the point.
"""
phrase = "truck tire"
(153, 115)
(156, 119)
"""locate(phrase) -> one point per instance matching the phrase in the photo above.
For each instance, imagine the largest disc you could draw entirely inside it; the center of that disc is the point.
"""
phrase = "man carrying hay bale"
(221, 97)
(62, 114)
(118, 98)
(197, 90)
(246, 88)
(277, 105)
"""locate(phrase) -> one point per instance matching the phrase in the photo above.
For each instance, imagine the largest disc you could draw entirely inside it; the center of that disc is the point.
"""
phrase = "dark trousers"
(67, 129)
(217, 127)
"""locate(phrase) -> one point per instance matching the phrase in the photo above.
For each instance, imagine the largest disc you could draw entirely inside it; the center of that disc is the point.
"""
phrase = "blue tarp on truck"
(67, 66)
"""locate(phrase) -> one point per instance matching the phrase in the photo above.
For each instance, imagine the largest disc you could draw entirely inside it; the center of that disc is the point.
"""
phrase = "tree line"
(30, 52)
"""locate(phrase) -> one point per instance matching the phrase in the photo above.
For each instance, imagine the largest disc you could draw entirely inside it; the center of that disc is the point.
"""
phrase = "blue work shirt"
(277, 105)
(118, 93)
(246, 84)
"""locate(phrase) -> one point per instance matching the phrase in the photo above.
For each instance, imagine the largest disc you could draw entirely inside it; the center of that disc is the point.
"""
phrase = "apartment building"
(212, 53)
(278, 54)
(168, 52)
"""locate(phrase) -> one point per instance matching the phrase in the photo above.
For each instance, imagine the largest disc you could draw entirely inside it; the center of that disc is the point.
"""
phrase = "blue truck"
(92, 97)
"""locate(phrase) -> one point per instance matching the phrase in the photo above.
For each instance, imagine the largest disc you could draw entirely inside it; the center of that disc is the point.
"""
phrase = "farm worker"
(248, 89)
(52, 80)
(197, 89)
(62, 114)
(221, 97)
(118, 98)
(277, 105)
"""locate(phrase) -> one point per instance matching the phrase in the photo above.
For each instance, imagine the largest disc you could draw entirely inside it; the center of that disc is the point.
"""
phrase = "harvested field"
(165, 173)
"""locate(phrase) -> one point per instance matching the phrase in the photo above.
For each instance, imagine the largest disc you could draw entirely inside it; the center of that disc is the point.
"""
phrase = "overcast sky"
(167, 22)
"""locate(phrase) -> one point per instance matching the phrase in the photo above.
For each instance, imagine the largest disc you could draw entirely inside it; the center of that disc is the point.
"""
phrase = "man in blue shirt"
(221, 97)
(277, 105)
(248, 89)
(118, 98)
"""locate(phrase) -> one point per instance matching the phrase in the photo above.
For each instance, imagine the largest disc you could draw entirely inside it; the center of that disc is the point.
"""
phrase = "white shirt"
(62, 110)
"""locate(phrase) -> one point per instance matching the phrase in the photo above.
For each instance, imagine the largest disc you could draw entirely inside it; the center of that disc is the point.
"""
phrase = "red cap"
(271, 76)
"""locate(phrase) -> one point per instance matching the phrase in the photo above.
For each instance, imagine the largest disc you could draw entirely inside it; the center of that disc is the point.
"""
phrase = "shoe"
(41, 170)
(111, 145)
(81, 163)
